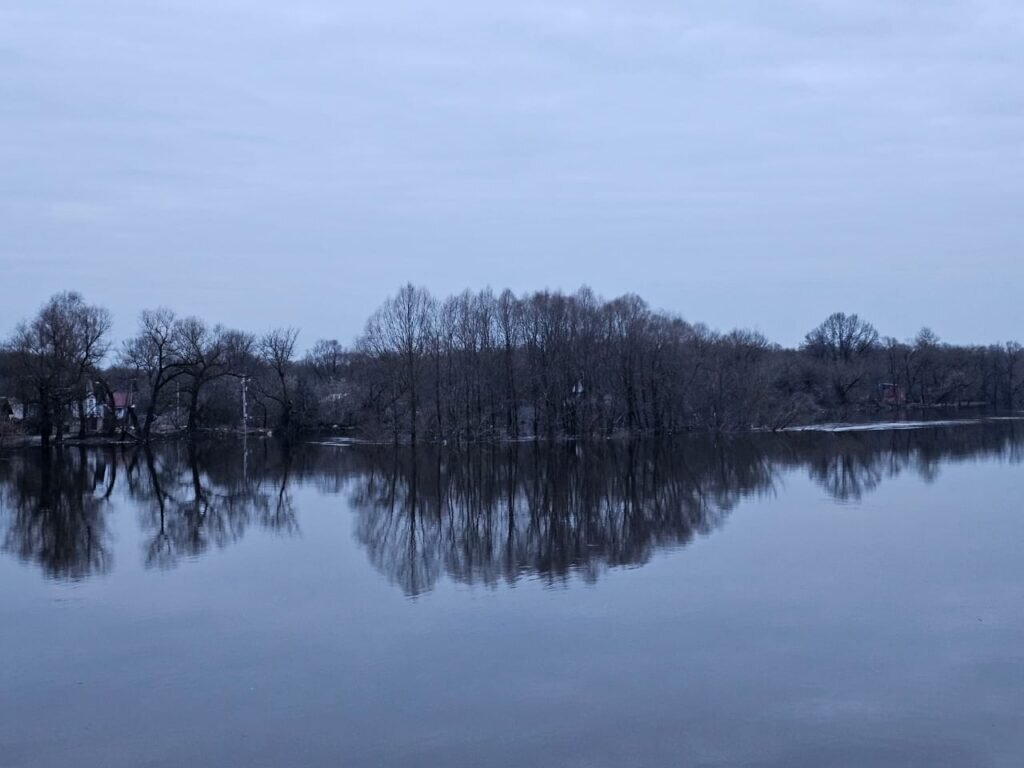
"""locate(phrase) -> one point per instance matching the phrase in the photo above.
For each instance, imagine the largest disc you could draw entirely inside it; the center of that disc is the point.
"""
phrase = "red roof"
(124, 399)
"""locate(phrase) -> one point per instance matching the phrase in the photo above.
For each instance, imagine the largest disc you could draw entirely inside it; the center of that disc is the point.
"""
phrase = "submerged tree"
(55, 354)
(398, 334)
(842, 345)
(209, 354)
(276, 352)
(158, 354)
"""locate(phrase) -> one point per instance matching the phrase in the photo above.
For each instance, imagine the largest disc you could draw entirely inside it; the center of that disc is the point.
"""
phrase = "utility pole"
(245, 429)
(245, 405)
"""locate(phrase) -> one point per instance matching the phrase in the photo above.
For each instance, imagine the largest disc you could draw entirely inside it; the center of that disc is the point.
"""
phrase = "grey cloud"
(745, 163)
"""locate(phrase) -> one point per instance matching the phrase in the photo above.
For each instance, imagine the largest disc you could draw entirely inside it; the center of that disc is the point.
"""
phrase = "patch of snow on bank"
(894, 425)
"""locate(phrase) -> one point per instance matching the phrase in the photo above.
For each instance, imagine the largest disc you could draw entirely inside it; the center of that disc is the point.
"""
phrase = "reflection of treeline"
(850, 464)
(484, 514)
(189, 498)
(493, 515)
(480, 367)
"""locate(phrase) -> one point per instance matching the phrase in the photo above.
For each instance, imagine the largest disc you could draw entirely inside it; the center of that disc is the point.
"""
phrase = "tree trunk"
(147, 424)
(45, 426)
(81, 419)
(193, 410)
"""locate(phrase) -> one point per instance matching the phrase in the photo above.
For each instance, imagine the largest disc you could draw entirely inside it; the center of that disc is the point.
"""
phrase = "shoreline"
(831, 427)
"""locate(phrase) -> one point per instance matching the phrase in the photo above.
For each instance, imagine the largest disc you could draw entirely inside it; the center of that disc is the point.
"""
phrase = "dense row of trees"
(481, 365)
(486, 366)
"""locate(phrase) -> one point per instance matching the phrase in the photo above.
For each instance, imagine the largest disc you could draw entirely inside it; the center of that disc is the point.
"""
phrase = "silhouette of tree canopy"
(486, 367)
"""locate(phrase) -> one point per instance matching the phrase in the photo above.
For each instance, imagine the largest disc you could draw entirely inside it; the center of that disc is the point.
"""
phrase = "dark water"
(801, 600)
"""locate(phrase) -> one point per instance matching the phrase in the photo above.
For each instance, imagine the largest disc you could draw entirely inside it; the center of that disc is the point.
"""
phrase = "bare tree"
(276, 351)
(841, 337)
(327, 359)
(400, 332)
(54, 355)
(509, 320)
(843, 343)
(156, 352)
(209, 354)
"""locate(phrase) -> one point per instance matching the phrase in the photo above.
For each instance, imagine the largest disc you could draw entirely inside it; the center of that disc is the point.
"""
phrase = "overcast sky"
(751, 164)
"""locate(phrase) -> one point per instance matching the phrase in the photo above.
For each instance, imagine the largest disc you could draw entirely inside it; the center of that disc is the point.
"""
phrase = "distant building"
(104, 409)
(124, 402)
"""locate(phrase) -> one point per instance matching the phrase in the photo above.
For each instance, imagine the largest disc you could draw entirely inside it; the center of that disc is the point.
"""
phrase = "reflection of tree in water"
(479, 515)
(497, 513)
(851, 465)
(848, 473)
(195, 497)
(191, 498)
(55, 504)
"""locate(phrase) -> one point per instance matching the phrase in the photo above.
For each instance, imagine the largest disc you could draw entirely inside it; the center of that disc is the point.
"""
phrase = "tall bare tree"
(400, 332)
(209, 354)
(276, 351)
(157, 353)
(54, 355)
(843, 343)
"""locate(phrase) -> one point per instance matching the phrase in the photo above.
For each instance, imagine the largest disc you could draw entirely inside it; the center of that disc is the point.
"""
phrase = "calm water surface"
(803, 600)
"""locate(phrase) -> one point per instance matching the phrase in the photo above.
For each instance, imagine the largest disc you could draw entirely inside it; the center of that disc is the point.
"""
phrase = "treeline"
(482, 366)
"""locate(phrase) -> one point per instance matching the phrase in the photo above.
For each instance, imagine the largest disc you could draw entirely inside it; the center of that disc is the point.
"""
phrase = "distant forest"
(477, 367)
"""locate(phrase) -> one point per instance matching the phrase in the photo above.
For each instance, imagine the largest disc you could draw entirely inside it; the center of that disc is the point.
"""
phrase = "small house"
(124, 402)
